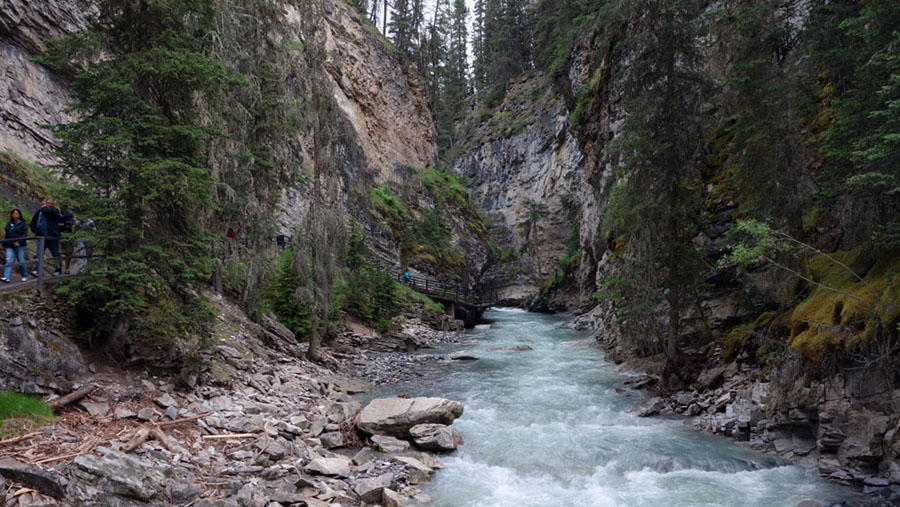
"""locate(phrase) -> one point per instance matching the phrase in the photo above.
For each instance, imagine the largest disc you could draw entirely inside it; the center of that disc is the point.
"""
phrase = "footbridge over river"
(460, 301)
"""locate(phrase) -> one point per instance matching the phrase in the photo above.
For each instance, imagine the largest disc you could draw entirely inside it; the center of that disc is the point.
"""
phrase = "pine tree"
(456, 70)
(654, 208)
(759, 113)
(137, 153)
(401, 25)
(479, 70)
(860, 48)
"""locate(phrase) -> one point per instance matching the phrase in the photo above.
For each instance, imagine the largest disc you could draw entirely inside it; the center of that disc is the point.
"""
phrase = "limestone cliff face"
(386, 105)
(382, 118)
(521, 152)
(30, 94)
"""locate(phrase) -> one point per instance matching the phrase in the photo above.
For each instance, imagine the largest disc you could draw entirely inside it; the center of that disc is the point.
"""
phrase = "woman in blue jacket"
(16, 231)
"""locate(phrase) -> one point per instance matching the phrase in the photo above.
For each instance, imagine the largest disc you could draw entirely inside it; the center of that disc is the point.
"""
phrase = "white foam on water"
(547, 427)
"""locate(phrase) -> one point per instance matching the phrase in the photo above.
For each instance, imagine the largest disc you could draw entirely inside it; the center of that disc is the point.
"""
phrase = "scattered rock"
(182, 493)
(329, 466)
(684, 398)
(47, 483)
(390, 498)
(370, 489)
(332, 439)
(413, 463)
(147, 414)
(171, 413)
(95, 409)
(114, 473)
(124, 413)
(436, 437)
(651, 407)
(165, 401)
(395, 416)
(389, 444)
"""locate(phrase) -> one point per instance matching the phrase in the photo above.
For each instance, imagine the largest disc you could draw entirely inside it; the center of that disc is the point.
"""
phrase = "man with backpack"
(46, 222)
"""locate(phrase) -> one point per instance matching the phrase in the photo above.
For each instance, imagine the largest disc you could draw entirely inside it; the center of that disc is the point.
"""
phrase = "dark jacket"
(15, 231)
(68, 222)
(53, 218)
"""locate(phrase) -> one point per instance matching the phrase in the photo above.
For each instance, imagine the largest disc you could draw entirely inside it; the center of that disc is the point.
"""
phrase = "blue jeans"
(15, 254)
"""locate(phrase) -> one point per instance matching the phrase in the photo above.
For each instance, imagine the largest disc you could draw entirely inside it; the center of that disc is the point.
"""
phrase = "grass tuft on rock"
(15, 405)
(22, 413)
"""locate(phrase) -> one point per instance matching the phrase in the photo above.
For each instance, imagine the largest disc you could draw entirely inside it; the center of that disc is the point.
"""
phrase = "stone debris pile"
(260, 427)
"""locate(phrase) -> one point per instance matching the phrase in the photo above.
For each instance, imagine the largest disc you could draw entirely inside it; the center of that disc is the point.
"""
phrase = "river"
(552, 427)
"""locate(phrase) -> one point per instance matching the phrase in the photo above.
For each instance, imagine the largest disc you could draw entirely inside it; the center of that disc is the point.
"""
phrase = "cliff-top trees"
(137, 153)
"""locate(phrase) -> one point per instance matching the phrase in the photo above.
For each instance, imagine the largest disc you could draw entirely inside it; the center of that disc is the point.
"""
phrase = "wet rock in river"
(395, 416)
(436, 437)
(652, 406)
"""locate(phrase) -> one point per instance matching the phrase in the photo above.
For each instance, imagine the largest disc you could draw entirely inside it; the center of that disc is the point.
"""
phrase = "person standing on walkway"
(16, 230)
(45, 222)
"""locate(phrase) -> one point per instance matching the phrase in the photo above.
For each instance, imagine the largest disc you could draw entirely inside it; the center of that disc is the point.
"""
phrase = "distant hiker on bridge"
(46, 222)
(406, 277)
(16, 229)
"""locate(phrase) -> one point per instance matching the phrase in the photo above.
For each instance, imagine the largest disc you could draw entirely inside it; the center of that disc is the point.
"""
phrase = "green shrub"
(408, 295)
(370, 293)
(495, 97)
(283, 300)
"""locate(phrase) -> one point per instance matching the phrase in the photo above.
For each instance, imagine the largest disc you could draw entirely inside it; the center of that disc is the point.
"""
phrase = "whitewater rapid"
(552, 426)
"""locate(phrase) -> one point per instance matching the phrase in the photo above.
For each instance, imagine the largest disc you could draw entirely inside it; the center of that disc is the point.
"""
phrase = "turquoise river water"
(548, 427)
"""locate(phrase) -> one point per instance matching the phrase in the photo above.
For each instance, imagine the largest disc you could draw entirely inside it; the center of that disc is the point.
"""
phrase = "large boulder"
(395, 416)
(436, 437)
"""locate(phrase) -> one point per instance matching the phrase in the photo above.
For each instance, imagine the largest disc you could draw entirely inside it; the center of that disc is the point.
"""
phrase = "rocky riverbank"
(258, 426)
(825, 425)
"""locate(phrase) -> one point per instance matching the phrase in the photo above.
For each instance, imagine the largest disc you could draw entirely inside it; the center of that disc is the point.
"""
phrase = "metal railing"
(476, 296)
(40, 262)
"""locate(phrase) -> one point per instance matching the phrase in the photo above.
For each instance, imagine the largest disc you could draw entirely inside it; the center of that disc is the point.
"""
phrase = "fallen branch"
(183, 420)
(163, 439)
(24, 491)
(19, 438)
(232, 435)
(139, 438)
(73, 396)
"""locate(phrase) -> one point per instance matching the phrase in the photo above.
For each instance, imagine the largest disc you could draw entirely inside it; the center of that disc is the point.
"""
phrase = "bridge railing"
(476, 296)
(38, 264)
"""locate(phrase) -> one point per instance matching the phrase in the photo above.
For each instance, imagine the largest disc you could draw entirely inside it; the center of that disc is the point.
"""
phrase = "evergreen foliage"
(137, 157)
(655, 205)
(859, 45)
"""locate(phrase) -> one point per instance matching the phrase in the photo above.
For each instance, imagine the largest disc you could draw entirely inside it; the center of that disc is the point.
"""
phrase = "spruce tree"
(654, 207)
(137, 155)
